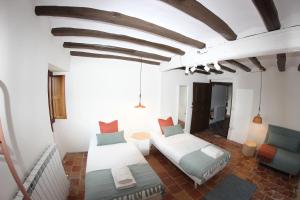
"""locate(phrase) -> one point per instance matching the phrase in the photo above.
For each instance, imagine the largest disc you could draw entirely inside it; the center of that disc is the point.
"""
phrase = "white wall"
(182, 104)
(279, 101)
(26, 50)
(171, 81)
(106, 90)
(291, 97)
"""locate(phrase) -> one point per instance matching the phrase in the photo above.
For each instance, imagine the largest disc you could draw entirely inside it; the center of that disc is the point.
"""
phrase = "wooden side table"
(249, 148)
(142, 141)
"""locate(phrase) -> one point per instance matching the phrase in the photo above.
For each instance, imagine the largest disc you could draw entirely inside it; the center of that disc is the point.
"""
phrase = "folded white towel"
(212, 151)
(122, 177)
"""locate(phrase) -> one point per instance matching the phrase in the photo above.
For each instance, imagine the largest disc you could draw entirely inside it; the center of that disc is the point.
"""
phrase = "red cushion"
(110, 127)
(165, 123)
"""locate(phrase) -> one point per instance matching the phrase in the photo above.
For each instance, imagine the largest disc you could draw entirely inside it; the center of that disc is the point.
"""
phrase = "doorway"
(220, 108)
(182, 105)
(211, 108)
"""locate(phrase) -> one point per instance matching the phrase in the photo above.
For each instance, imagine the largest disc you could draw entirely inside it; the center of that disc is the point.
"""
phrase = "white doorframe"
(233, 100)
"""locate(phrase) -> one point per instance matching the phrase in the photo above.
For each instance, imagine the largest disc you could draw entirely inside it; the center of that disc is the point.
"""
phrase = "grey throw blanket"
(99, 185)
(202, 166)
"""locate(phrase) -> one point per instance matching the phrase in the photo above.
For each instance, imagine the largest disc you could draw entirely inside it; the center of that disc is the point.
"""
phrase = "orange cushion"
(266, 152)
(165, 123)
(110, 127)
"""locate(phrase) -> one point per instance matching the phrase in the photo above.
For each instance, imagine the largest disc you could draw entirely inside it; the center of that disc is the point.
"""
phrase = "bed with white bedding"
(186, 152)
(99, 180)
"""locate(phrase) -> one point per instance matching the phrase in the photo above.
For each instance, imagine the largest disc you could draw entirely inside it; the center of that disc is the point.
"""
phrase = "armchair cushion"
(266, 153)
(286, 161)
(283, 138)
(284, 142)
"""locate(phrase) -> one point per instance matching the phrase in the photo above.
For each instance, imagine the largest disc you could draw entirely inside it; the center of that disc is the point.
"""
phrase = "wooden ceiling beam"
(198, 11)
(115, 49)
(225, 68)
(216, 71)
(115, 18)
(269, 14)
(95, 55)
(213, 69)
(199, 71)
(65, 31)
(281, 61)
(202, 72)
(181, 68)
(239, 65)
(256, 62)
(201, 67)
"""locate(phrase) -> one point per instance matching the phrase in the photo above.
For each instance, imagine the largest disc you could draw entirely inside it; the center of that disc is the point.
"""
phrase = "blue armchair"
(287, 142)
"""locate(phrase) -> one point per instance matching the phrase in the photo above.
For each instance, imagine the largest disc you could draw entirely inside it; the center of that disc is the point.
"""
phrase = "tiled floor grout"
(271, 184)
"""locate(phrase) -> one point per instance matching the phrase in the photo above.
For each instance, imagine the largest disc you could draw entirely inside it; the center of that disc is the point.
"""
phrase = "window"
(56, 97)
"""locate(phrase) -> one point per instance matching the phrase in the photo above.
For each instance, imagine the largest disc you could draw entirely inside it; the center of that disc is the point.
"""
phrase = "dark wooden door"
(201, 107)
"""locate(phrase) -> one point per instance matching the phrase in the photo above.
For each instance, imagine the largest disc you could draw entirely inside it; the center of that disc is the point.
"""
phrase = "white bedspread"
(110, 156)
(176, 146)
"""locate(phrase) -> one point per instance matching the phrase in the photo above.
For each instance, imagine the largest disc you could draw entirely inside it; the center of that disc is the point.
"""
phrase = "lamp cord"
(141, 68)
(260, 91)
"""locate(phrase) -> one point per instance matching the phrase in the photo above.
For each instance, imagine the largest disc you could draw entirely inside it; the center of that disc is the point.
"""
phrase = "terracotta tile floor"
(270, 184)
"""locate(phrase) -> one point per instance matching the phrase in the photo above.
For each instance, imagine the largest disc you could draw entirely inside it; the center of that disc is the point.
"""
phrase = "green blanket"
(202, 166)
(99, 185)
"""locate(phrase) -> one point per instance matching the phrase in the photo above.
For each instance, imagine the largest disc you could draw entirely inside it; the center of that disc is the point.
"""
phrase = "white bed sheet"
(176, 146)
(114, 155)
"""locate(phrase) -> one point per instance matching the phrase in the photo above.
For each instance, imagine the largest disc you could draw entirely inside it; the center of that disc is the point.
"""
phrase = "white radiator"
(47, 180)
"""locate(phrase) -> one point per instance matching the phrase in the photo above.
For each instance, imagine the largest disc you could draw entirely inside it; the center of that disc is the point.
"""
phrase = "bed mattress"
(184, 150)
(99, 180)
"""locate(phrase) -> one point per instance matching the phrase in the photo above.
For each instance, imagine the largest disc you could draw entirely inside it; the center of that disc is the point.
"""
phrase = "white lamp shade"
(257, 133)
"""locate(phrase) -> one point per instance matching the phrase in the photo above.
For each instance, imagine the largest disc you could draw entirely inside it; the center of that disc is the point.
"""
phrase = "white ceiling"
(292, 61)
(240, 15)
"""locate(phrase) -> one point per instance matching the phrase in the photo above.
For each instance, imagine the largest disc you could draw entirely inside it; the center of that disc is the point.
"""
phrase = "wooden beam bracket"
(225, 68)
(239, 65)
(281, 61)
(256, 62)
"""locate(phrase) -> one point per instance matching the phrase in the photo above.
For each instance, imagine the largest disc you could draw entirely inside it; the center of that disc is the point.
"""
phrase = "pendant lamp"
(258, 119)
(140, 105)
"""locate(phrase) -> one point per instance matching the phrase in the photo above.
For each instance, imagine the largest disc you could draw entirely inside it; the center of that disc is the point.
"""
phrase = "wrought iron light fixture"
(258, 119)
